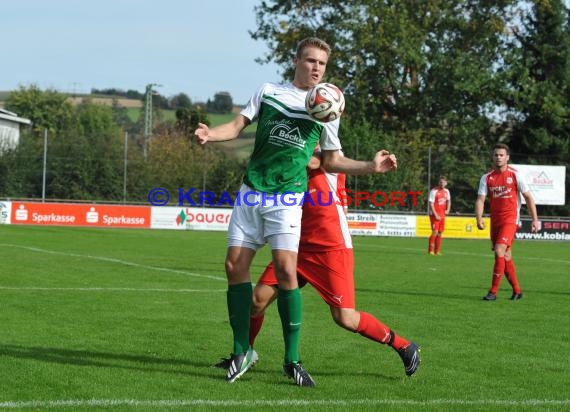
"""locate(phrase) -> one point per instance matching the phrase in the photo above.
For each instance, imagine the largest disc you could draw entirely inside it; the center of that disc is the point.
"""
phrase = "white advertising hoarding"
(547, 183)
(5, 212)
(362, 224)
(190, 218)
(397, 225)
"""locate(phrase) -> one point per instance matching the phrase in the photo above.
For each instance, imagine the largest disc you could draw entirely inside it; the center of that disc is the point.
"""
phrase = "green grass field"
(105, 319)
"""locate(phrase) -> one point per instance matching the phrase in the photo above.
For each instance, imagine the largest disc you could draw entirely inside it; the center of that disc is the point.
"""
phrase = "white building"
(10, 129)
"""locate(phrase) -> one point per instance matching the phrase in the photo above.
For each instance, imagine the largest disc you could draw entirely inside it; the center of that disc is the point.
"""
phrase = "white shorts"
(259, 218)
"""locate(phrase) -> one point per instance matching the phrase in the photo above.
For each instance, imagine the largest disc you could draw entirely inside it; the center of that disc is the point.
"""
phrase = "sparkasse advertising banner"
(546, 183)
(67, 214)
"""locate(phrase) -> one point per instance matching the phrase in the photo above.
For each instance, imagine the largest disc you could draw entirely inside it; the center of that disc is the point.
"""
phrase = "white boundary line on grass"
(276, 403)
(113, 260)
(490, 254)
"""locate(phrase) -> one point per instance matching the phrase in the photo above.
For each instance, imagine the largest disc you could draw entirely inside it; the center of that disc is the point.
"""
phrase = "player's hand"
(384, 161)
(535, 226)
(202, 133)
(314, 162)
(436, 216)
(480, 224)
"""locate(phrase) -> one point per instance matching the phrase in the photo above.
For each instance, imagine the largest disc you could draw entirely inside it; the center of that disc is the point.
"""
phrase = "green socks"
(239, 305)
(290, 307)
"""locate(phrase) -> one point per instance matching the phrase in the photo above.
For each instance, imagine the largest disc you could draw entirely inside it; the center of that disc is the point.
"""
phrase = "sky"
(197, 47)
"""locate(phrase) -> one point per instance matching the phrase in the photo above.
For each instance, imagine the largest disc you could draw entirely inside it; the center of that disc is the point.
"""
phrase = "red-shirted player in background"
(439, 205)
(504, 186)
(326, 261)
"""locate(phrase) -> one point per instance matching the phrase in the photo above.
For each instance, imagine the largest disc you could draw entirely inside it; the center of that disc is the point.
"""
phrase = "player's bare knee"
(257, 304)
(231, 269)
(257, 308)
(236, 272)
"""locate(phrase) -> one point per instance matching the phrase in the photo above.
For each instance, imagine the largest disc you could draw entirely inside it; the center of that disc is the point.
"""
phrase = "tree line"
(94, 150)
(436, 82)
(221, 103)
(456, 76)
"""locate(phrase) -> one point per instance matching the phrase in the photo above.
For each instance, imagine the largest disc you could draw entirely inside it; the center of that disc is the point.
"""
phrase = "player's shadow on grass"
(143, 363)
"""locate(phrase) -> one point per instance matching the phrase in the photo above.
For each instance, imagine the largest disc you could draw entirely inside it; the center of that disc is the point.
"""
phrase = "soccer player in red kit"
(326, 261)
(439, 206)
(504, 186)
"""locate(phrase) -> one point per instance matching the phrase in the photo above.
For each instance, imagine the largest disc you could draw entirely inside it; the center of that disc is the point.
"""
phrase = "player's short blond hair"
(313, 42)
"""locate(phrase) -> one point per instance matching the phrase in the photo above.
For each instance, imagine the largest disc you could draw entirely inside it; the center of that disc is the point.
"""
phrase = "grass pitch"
(105, 319)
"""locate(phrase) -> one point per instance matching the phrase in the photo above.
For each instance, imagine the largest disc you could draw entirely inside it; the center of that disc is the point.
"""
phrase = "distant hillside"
(108, 101)
(241, 147)
(97, 99)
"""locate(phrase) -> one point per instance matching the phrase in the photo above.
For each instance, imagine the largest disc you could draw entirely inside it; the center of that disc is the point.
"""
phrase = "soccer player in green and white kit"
(270, 199)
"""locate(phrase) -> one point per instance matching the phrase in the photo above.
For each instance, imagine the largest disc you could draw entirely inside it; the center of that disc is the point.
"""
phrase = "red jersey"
(324, 226)
(439, 198)
(505, 193)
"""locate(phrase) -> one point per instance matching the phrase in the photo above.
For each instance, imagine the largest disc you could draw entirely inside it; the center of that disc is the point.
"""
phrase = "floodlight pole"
(148, 114)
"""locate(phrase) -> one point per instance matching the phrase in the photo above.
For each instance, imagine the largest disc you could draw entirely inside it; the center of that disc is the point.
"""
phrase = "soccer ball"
(324, 102)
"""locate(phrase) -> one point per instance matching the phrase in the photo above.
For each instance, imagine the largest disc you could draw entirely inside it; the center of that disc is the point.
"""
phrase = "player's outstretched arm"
(223, 132)
(531, 207)
(335, 162)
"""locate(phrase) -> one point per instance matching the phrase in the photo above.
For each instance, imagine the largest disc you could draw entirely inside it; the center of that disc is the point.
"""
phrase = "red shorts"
(330, 273)
(503, 234)
(437, 225)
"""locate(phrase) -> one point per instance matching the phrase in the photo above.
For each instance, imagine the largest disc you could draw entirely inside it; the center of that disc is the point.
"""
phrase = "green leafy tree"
(539, 102)
(86, 160)
(187, 120)
(46, 109)
(180, 101)
(69, 174)
(121, 116)
(175, 162)
(421, 73)
(21, 168)
(540, 84)
(105, 138)
(222, 103)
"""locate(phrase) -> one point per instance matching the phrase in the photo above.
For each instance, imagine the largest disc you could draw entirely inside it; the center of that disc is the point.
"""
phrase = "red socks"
(431, 244)
(369, 327)
(255, 323)
(437, 243)
(506, 267)
(498, 271)
(434, 244)
(511, 275)
(373, 329)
